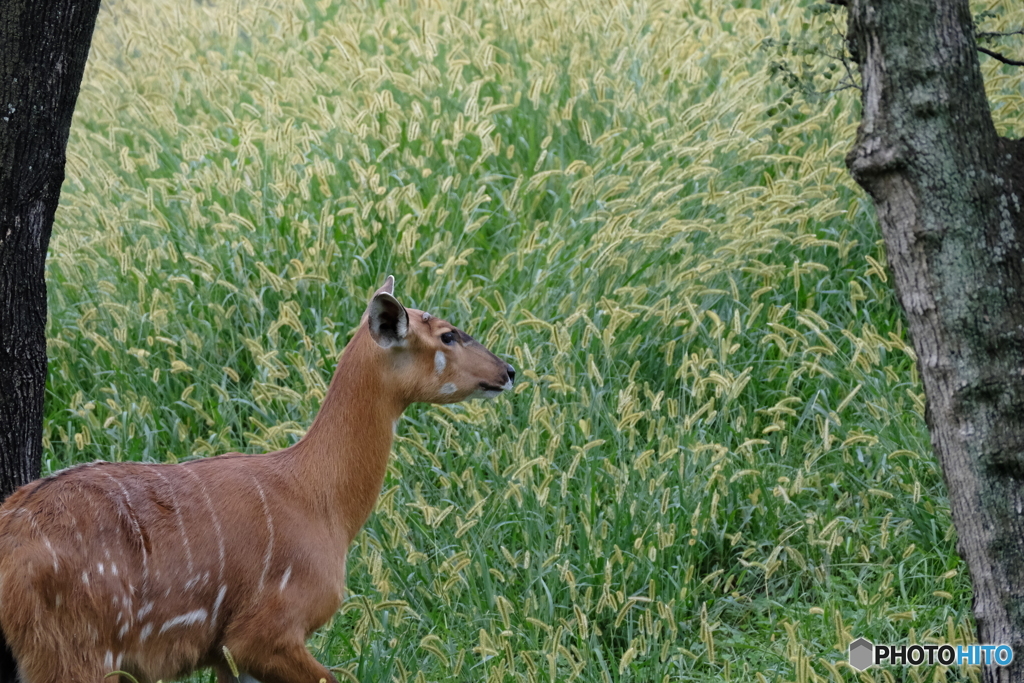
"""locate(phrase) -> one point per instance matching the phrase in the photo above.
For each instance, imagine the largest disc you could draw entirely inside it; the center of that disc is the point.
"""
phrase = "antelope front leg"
(290, 663)
(224, 675)
(63, 672)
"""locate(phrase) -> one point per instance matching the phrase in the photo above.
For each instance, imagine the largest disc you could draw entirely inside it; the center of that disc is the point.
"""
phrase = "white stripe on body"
(270, 533)
(196, 616)
(181, 526)
(136, 528)
(217, 602)
(216, 525)
(46, 540)
(284, 579)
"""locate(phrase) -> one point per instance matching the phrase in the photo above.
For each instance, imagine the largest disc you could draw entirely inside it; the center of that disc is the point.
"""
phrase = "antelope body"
(153, 569)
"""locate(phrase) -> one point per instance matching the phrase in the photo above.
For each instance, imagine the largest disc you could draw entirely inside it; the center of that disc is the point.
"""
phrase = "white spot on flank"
(99, 568)
(439, 362)
(53, 553)
(123, 631)
(146, 609)
(196, 616)
(108, 661)
(113, 569)
(284, 579)
(146, 630)
(85, 578)
(448, 388)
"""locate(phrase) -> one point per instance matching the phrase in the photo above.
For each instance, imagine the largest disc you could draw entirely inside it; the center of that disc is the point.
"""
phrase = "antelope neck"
(343, 457)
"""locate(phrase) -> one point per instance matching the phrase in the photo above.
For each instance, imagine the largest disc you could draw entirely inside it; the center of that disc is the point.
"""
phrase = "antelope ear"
(388, 319)
(388, 287)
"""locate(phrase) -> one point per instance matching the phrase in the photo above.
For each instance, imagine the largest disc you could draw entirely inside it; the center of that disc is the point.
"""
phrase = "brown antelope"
(155, 569)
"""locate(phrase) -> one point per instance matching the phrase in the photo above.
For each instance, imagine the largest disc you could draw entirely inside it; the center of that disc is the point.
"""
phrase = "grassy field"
(714, 465)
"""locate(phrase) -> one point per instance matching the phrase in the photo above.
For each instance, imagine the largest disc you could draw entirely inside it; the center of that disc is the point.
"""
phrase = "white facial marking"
(448, 388)
(508, 385)
(439, 362)
(284, 579)
(196, 616)
(144, 633)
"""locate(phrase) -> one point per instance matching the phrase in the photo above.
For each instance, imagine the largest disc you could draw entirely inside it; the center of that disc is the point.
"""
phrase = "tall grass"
(714, 466)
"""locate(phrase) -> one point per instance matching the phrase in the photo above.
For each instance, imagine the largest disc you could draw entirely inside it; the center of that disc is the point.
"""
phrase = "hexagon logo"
(862, 654)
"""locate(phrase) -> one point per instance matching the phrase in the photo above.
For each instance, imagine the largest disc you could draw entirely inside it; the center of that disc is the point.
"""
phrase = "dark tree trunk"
(950, 199)
(43, 48)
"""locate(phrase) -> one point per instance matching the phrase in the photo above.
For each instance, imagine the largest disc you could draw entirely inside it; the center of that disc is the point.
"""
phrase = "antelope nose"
(511, 373)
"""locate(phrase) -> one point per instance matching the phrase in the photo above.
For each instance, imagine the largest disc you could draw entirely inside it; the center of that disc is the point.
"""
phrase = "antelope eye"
(447, 338)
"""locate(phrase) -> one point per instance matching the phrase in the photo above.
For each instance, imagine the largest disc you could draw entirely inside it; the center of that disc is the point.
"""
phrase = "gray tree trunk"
(43, 48)
(950, 199)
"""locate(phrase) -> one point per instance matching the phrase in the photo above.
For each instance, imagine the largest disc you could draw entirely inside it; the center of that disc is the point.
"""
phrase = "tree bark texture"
(949, 193)
(43, 48)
